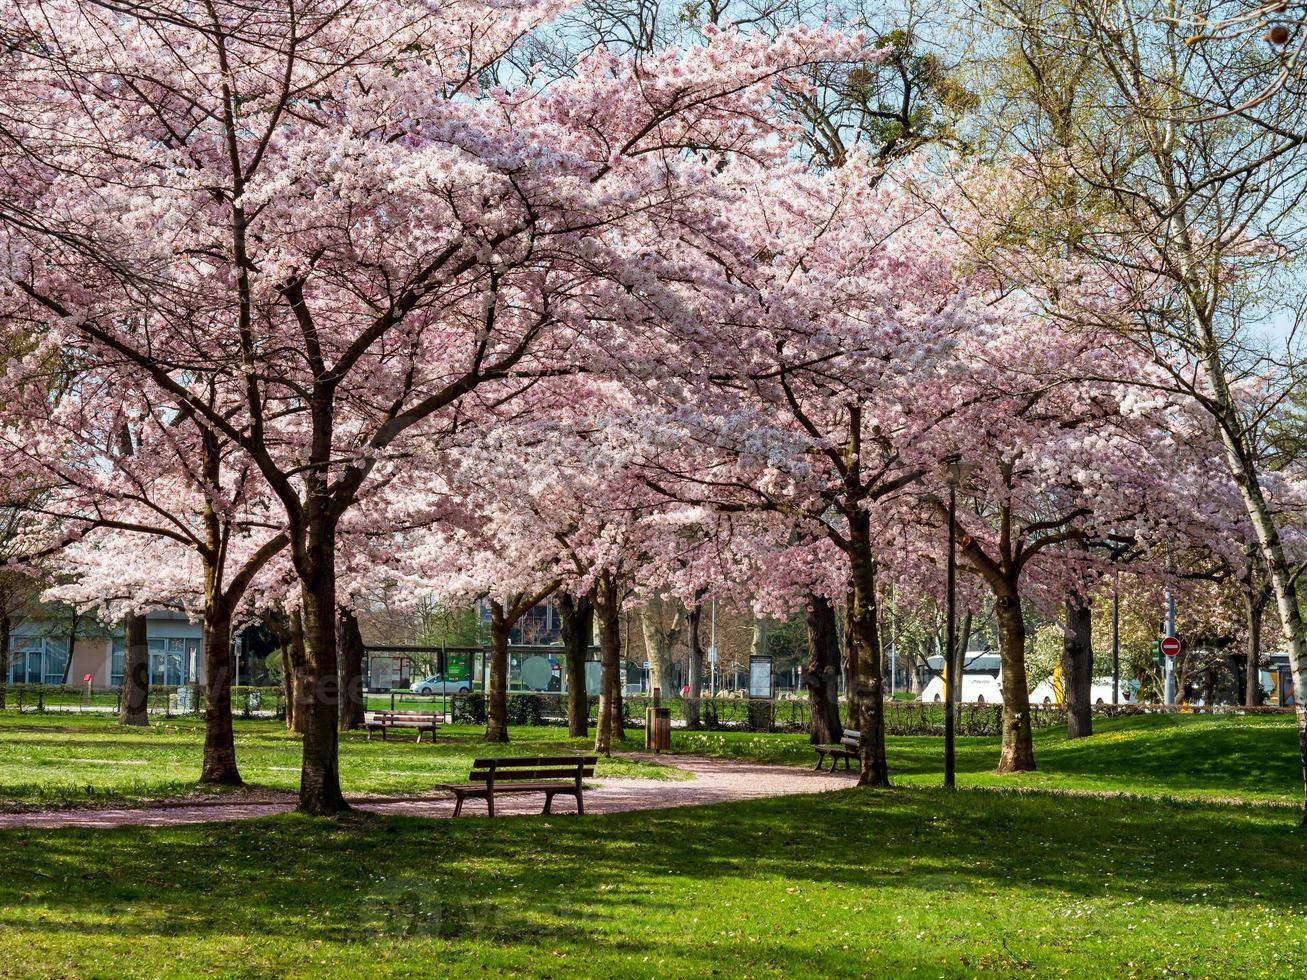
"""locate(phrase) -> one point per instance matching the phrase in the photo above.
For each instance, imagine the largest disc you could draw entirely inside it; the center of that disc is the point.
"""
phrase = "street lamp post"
(955, 472)
(712, 647)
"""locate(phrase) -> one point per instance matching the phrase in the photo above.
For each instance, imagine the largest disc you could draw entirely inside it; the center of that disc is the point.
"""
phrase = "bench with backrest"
(383, 721)
(551, 775)
(846, 750)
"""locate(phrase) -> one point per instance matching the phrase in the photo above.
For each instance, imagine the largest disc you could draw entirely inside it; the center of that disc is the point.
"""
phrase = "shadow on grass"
(600, 880)
(1149, 753)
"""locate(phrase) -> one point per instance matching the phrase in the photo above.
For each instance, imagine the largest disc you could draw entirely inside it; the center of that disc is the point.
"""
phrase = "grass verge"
(902, 882)
(58, 759)
(1250, 757)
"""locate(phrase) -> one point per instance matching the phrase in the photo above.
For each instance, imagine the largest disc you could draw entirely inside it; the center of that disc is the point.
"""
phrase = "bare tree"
(1192, 216)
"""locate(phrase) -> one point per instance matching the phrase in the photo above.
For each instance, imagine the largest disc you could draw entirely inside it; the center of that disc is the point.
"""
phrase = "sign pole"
(1168, 687)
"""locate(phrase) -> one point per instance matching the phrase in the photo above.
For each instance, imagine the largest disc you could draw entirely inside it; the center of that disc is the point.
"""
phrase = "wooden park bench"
(846, 750)
(383, 721)
(550, 775)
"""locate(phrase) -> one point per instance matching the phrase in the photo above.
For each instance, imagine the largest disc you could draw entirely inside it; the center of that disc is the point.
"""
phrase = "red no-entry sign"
(1170, 645)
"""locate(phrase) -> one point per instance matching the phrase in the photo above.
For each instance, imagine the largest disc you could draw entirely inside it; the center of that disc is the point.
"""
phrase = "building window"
(36, 660)
(171, 660)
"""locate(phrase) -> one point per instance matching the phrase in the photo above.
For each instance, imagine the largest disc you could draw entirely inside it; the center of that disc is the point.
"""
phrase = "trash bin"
(658, 729)
(762, 712)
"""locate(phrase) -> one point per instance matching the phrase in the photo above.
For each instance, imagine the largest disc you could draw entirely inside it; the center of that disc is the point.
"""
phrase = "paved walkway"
(715, 781)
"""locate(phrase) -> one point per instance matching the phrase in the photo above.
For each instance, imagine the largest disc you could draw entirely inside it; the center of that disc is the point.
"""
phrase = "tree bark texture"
(608, 611)
(821, 675)
(497, 694)
(1078, 668)
(349, 639)
(690, 709)
(864, 652)
(1018, 753)
(578, 630)
(219, 768)
(136, 672)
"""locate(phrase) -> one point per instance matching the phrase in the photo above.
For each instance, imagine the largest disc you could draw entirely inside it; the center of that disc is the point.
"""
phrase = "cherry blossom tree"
(1172, 166)
(846, 300)
(322, 216)
(144, 507)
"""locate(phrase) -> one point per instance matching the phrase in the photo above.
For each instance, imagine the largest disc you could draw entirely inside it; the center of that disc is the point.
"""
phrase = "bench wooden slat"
(535, 760)
(480, 789)
(519, 775)
(403, 723)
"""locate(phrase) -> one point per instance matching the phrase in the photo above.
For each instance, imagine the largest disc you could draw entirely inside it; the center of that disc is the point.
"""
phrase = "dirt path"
(715, 781)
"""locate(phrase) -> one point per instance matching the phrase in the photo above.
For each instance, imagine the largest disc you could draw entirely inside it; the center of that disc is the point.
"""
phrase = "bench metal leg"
(490, 803)
(549, 799)
(580, 804)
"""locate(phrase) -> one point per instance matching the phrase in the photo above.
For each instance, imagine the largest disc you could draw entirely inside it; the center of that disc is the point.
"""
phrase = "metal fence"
(169, 701)
(784, 714)
(792, 714)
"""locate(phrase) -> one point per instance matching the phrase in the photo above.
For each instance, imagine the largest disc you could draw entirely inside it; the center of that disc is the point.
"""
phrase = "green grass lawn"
(903, 882)
(69, 758)
(57, 758)
(1253, 757)
(910, 881)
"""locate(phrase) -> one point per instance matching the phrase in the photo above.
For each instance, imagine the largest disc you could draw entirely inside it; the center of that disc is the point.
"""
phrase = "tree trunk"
(1078, 668)
(219, 768)
(690, 707)
(578, 630)
(761, 633)
(821, 676)
(961, 644)
(1271, 546)
(6, 629)
(864, 653)
(320, 791)
(288, 689)
(136, 672)
(619, 684)
(658, 637)
(1253, 680)
(71, 645)
(608, 610)
(295, 657)
(850, 662)
(497, 695)
(1018, 747)
(349, 639)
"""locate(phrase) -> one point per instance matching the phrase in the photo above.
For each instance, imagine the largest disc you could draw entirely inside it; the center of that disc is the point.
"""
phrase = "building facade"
(38, 651)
